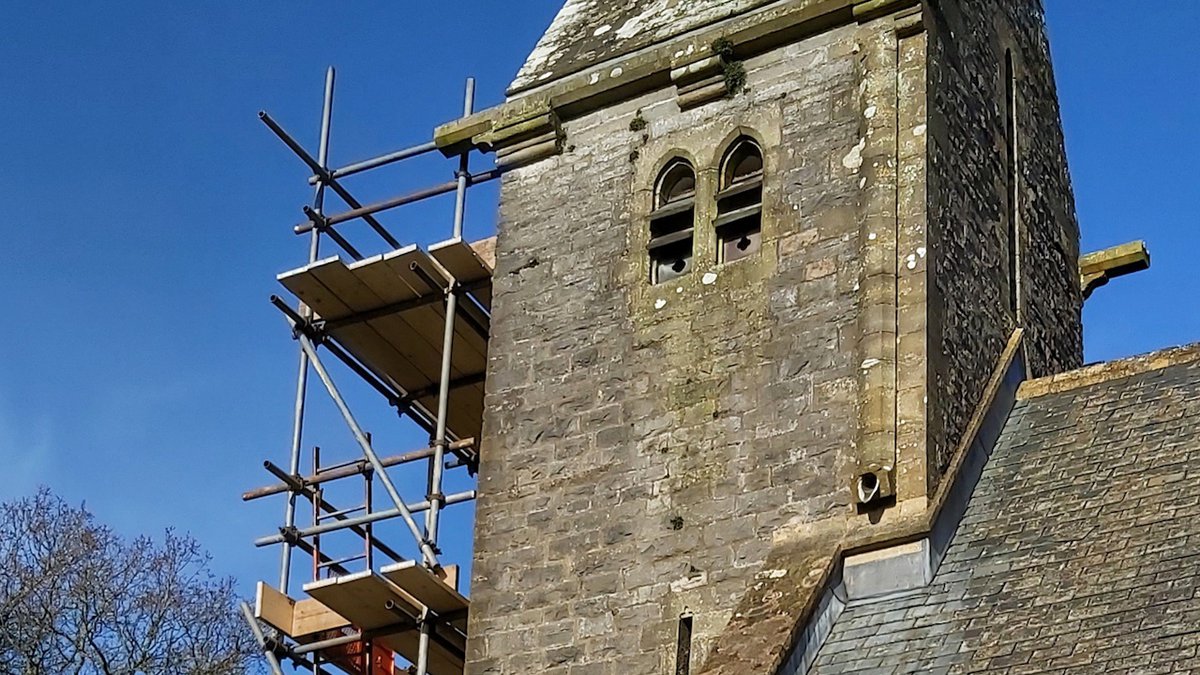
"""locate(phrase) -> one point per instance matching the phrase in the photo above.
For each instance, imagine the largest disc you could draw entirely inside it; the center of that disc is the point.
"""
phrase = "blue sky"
(146, 212)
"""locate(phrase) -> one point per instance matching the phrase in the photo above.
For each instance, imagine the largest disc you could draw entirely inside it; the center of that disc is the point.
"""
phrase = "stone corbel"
(1096, 269)
(699, 82)
(519, 132)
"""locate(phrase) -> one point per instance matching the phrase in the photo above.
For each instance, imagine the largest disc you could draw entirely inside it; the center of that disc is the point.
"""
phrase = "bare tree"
(75, 597)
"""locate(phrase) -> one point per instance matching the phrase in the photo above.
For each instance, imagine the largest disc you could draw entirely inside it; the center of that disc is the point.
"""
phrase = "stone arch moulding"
(670, 251)
(739, 200)
(727, 142)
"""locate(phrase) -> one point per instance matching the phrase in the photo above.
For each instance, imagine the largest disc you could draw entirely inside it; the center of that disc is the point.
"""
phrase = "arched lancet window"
(672, 222)
(739, 201)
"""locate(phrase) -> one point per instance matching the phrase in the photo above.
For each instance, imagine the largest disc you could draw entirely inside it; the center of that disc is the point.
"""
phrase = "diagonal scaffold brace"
(261, 639)
(427, 551)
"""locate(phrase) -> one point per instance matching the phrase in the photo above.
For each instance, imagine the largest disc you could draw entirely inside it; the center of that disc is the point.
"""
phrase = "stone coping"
(1107, 371)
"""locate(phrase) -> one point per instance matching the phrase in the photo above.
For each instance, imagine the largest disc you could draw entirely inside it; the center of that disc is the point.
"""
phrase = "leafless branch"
(77, 598)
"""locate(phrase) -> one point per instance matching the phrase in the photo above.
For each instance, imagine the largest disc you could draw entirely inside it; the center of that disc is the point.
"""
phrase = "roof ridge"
(1106, 371)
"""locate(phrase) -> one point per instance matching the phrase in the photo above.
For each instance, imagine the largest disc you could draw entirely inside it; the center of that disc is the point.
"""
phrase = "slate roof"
(1079, 552)
(588, 32)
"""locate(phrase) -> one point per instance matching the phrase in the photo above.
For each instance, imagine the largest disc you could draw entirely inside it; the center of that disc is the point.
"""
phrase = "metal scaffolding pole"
(426, 549)
(436, 463)
(376, 162)
(464, 169)
(261, 639)
(300, 325)
(423, 644)
(370, 209)
(451, 499)
(330, 511)
(326, 178)
(302, 377)
(346, 471)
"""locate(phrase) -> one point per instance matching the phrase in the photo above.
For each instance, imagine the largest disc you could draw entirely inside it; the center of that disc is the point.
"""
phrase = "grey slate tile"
(1079, 551)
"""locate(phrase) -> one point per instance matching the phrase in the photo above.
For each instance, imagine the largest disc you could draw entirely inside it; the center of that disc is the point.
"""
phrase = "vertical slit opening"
(1012, 185)
(683, 649)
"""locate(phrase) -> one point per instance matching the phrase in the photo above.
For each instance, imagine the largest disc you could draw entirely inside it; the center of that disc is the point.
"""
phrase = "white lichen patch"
(921, 251)
(854, 159)
(592, 31)
(688, 583)
(616, 72)
(631, 27)
(870, 363)
(551, 47)
(709, 278)
(869, 113)
(660, 303)
(919, 130)
(771, 574)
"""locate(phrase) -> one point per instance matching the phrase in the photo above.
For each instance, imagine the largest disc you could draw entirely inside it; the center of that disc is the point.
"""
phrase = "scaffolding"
(413, 324)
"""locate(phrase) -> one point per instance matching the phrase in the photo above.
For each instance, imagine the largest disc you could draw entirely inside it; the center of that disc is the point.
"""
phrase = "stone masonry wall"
(644, 442)
(969, 317)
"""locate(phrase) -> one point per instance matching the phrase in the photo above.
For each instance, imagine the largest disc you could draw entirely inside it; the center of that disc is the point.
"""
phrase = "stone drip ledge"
(785, 616)
(528, 125)
(1108, 371)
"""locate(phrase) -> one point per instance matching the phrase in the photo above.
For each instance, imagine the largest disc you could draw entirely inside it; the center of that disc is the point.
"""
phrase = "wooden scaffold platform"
(388, 312)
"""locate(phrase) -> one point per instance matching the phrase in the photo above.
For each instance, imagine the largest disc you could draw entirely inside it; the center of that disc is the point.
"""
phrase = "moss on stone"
(734, 70)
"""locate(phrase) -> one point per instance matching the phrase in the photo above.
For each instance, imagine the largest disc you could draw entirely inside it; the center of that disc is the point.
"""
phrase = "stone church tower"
(762, 266)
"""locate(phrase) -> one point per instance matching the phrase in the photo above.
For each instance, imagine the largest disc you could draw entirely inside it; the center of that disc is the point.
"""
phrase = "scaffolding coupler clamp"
(273, 644)
(319, 222)
(471, 462)
(290, 534)
(301, 325)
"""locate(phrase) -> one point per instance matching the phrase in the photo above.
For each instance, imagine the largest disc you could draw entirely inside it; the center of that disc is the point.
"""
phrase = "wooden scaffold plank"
(363, 597)
(462, 262)
(298, 619)
(401, 347)
(429, 590)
